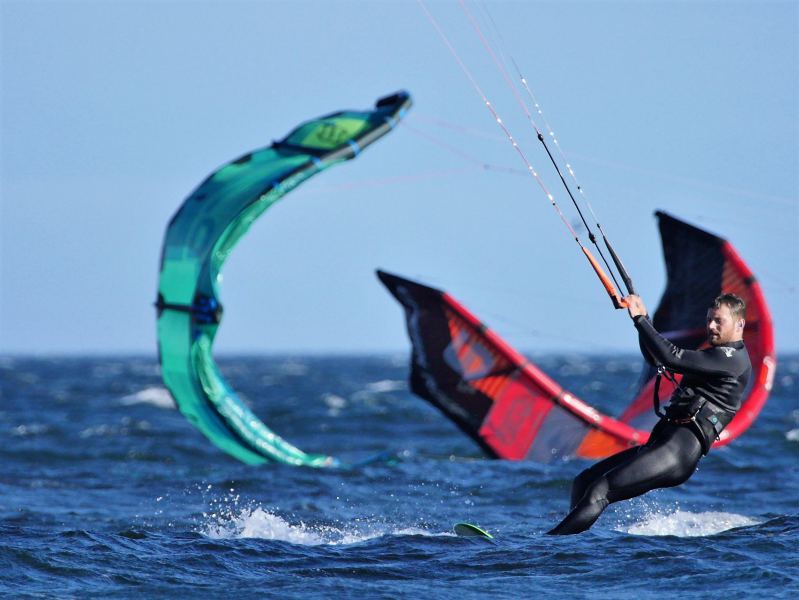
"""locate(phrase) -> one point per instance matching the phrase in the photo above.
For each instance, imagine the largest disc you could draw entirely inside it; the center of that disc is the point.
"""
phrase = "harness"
(689, 410)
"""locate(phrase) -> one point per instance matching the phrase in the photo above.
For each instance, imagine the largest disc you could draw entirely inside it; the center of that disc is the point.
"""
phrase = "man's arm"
(636, 308)
(645, 351)
(671, 356)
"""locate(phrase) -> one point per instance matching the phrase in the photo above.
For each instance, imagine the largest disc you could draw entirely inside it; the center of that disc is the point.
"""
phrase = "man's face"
(722, 328)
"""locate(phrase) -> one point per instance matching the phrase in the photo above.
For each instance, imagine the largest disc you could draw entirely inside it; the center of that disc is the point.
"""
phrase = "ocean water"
(107, 491)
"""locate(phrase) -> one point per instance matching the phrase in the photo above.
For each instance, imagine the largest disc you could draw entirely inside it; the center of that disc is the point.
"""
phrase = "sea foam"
(688, 524)
(264, 524)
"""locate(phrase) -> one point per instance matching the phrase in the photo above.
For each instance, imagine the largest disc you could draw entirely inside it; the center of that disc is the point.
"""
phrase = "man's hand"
(635, 306)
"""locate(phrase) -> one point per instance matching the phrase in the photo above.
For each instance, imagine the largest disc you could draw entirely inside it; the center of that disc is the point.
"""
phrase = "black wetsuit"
(707, 399)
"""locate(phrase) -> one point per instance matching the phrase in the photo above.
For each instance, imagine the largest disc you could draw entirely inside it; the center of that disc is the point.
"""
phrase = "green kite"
(198, 240)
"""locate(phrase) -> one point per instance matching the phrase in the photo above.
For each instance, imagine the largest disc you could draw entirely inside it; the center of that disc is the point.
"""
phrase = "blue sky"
(112, 112)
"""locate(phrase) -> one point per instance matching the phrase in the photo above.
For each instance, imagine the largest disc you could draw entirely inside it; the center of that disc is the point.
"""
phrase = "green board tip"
(469, 530)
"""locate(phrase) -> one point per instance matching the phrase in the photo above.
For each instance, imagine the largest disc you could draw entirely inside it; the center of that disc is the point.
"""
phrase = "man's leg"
(594, 472)
(669, 461)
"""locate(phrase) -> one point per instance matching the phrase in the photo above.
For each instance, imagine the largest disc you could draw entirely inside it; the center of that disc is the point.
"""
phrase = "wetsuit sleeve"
(678, 359)
(646, 354)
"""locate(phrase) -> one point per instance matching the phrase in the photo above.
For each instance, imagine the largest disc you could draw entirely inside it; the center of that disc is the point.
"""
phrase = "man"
(704, 403)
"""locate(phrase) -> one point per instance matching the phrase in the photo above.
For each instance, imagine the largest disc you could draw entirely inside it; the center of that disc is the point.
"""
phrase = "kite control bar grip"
(620, 266)
(608, 285)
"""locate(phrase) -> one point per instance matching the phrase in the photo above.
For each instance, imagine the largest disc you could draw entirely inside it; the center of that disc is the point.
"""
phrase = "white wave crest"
(385, 385)
(32, 429)
(293, 368)
(688, 524)
(156, 395)
(260, 523)
(792, 435)
(335, 404)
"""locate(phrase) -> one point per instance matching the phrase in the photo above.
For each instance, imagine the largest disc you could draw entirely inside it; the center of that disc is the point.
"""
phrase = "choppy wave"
(106, 490)
(156, 396)
(293, 368)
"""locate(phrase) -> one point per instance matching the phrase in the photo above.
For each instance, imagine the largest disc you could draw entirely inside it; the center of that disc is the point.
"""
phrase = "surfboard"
(469, 530)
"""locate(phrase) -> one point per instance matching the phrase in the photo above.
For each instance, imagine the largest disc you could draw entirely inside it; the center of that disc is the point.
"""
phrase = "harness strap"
(717, 426)
(662, 372)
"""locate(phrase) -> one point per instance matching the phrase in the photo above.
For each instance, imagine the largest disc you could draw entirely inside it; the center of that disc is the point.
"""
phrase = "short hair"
(734, 302)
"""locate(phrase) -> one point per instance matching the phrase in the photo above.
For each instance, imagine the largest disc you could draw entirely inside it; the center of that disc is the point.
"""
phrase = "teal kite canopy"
(200, 237)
